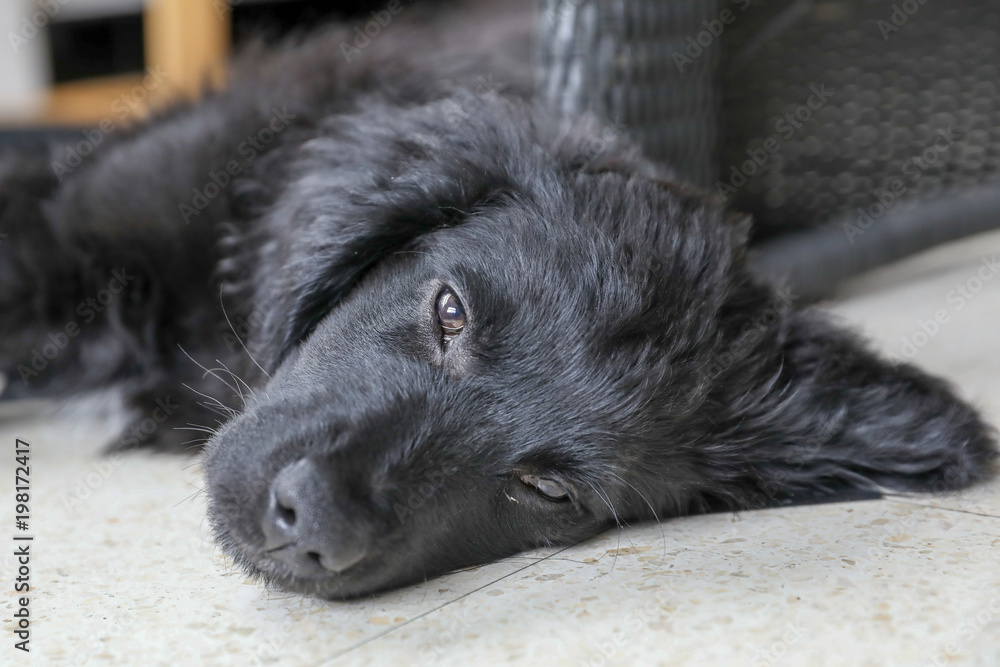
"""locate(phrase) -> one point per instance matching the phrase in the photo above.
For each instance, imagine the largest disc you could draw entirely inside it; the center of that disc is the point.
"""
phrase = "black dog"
(474, 328)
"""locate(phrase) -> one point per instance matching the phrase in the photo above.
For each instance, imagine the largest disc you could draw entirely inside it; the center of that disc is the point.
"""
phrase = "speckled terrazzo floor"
(124, 571)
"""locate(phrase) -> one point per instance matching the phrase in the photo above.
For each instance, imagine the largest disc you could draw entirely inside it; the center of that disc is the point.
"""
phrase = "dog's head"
(490, 334)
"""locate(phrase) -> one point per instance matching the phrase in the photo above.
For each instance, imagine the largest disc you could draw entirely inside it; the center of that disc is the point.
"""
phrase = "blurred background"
(856, 132)
(77, 62)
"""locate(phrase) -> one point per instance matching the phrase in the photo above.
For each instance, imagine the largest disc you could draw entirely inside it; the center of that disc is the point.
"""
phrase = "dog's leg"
(837, 415)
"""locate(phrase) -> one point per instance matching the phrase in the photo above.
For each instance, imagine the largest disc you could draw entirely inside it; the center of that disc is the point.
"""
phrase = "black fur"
(616, 342)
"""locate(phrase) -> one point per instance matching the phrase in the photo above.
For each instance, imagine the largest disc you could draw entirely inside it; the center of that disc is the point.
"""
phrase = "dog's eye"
(549, 488)
(450, 313)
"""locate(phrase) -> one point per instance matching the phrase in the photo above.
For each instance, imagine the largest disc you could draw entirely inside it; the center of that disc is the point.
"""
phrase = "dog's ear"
(371, 185)
(811, 407)
(795, 402)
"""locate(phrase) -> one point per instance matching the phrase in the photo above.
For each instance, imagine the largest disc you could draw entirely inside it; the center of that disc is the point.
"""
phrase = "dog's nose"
(305, 527)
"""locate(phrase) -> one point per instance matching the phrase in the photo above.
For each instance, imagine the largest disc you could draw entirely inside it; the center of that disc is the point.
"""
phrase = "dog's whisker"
(197, 427)
(187, 499)
(607, 501)
(238, 380)
(207, 371)
(656, 517)
(215, 409)
(239, 390)
(217, 402)
(222, 303)
(624, 524)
